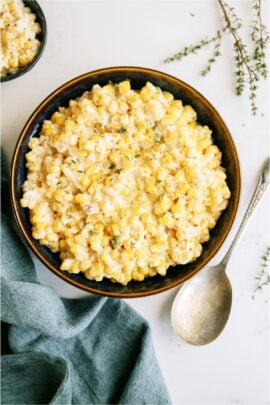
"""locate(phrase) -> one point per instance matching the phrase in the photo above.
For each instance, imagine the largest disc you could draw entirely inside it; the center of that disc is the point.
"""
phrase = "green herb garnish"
(115, 241)
(250, 67)
(158, 138)
(263, 276)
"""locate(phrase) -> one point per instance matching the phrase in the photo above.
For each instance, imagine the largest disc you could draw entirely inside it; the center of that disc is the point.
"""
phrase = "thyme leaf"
(263, 276)
(115, 241)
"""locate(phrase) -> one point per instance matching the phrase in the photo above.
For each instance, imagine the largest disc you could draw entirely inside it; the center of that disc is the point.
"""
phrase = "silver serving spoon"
(202, 306)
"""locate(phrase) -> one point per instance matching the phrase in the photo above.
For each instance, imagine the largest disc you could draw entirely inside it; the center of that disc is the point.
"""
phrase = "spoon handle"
(261, 187)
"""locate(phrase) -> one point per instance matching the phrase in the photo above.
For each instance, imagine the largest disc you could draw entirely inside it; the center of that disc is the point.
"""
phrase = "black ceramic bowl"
(206, 115)
(42, 36)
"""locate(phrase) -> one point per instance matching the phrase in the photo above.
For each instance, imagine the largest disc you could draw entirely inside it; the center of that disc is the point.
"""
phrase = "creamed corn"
(19, 29)
(124, 183)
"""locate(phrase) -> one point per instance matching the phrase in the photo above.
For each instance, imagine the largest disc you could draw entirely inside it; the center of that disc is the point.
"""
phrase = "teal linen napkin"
(83, 351)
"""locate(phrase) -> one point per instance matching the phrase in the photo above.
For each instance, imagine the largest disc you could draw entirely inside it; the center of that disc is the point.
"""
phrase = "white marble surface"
(86, 35)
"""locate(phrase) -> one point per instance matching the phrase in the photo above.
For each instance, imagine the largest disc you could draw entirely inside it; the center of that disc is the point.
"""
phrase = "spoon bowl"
(202, 307)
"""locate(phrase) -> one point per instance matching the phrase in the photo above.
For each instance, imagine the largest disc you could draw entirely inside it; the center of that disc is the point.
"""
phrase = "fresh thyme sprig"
(245, 71)
(259, 37)
(216, 54)
(188, 50)
(263, 276)
(248, 68)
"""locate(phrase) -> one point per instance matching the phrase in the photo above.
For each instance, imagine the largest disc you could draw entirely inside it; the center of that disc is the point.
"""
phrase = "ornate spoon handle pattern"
(261, 187)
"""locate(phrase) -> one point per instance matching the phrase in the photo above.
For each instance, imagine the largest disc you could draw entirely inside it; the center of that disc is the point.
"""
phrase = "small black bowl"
(207, 115)
(42, 36)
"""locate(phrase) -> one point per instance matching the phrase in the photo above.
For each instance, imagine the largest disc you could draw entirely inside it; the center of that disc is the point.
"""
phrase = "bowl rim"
(16, 207)
(42, 20)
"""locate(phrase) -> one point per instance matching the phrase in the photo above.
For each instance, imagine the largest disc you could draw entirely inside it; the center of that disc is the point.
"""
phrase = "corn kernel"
(85, 181)
(123, 87)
